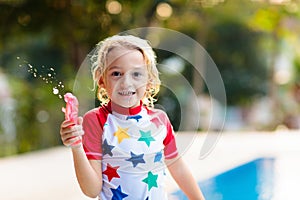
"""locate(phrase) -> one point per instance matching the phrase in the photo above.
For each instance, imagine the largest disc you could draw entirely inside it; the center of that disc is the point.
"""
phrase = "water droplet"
(47, 75)
(55, 91)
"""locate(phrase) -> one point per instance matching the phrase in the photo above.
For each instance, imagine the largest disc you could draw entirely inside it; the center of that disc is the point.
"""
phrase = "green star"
(151, 180)
(146, 137)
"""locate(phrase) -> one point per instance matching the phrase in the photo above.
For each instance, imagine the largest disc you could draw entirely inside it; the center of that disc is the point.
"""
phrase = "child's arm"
(88, 173)
(184, 178)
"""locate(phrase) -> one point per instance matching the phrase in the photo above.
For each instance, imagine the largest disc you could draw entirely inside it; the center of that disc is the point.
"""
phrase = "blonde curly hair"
(99, 65)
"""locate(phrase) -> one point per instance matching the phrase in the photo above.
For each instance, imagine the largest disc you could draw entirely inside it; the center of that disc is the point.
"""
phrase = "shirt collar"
(124, 111)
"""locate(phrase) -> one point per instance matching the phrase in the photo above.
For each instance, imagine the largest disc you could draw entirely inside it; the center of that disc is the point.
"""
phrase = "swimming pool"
(251, 181)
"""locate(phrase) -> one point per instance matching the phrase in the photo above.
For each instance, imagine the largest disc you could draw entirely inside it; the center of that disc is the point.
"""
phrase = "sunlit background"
(254, 43)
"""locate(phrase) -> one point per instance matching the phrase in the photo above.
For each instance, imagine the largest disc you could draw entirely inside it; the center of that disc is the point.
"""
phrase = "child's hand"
(71, 133)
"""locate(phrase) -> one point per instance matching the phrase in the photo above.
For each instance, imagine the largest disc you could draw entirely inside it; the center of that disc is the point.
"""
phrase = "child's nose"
(126, 81)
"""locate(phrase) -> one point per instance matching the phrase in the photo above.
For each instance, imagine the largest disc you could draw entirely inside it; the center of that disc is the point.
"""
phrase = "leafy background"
(246, 40)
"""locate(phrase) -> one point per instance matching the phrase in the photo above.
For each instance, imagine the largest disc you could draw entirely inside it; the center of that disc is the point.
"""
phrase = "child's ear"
(101, 82)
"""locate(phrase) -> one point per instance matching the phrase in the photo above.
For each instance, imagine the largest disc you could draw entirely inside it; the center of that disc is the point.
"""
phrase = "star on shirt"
(146, 137)
(136, 159)
(151, 180)
(106, 148)
(136, 117)
(121, 134)
(158, 157)
(111, 172)
(118, 194)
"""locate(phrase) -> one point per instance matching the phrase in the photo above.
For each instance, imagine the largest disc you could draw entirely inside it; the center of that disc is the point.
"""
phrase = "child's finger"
(71, 141)
(67, 123)
(73, 128)
(77, 130)
(69, 131)
(79, 120)
(71, 135)
(72, 131)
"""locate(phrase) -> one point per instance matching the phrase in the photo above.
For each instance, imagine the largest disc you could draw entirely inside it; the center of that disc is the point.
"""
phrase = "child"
(126, 143)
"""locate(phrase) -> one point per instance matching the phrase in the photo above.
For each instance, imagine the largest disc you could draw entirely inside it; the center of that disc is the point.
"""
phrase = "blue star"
(158, 157)
(118, 194)
(136, 117)
(136, 159)
(106, 148)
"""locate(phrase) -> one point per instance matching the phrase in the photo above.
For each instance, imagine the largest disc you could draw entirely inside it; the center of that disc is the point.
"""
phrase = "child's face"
(126, 77)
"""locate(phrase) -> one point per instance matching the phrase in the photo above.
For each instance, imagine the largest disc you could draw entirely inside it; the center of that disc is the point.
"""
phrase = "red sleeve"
(93, 123)
(170, 143)
(170, 150)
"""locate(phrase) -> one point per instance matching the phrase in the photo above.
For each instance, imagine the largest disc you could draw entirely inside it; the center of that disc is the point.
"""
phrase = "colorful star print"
(146, 137)
(118, 194)
(158, 157)
(111, 172)
(106, 148)
(121, 134)
(131, 147)
(151, 180)
(136, 159)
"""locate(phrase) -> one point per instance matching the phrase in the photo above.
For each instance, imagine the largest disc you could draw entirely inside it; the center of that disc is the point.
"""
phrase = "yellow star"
(121, 134)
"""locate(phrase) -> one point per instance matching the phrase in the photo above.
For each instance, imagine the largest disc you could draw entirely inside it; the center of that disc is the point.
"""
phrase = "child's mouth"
(126, 93)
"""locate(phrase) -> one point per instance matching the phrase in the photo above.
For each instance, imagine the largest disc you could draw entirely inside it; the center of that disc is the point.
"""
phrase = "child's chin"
(126, 104)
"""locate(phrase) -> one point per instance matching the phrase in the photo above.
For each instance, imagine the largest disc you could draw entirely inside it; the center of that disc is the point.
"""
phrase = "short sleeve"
(92, 138)
(170, 150)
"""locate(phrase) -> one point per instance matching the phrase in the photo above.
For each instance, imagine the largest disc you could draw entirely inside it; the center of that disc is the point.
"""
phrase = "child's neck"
(125, 111)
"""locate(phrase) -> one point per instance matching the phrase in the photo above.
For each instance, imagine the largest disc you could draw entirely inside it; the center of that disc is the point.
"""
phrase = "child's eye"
(137, 74)
(116, 74)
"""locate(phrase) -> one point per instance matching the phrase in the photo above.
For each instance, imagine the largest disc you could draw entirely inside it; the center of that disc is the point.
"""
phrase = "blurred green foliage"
(240, 59)
(242, 38)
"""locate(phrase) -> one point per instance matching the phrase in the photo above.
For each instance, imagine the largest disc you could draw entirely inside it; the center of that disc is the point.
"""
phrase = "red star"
(156, 121)
(111, 172)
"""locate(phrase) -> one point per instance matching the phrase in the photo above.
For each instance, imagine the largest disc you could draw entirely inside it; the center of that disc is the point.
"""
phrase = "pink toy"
(71, 111)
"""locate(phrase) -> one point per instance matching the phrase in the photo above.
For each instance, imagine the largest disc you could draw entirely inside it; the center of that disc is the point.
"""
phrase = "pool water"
(251, 181)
